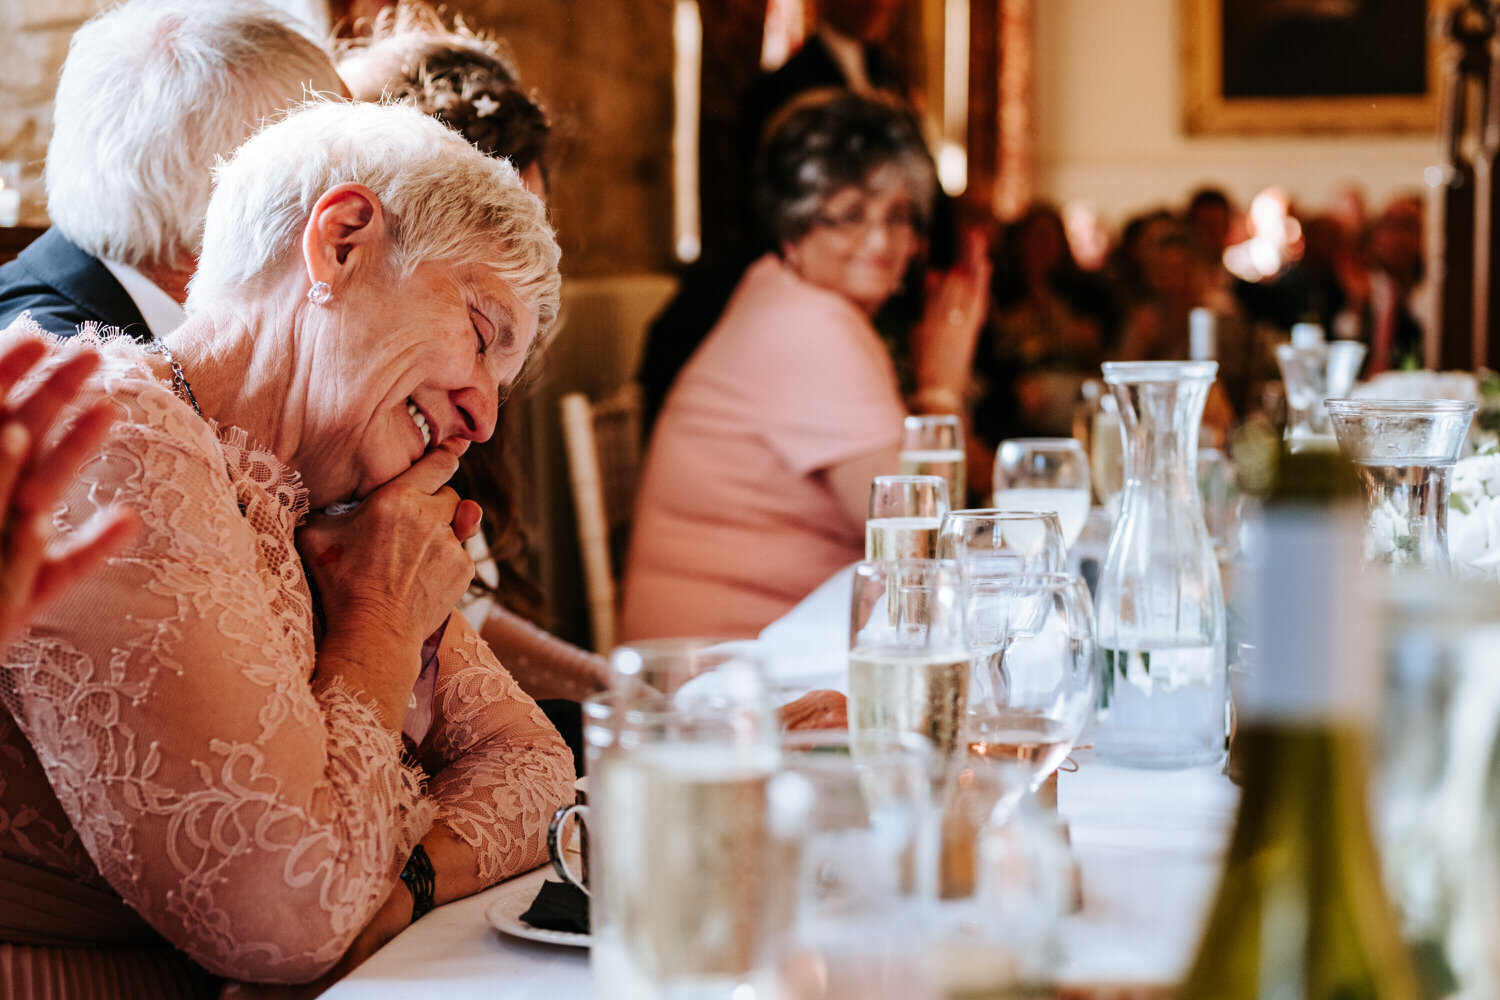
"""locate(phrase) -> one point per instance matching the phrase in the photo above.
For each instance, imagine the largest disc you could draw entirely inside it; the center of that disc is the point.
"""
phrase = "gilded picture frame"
(1311, 66)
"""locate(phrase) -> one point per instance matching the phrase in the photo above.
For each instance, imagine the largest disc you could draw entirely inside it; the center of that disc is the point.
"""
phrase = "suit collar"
(83, 279)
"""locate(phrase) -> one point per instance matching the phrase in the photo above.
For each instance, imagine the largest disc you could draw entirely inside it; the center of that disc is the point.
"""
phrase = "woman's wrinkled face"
(860, 245)
(404, 367)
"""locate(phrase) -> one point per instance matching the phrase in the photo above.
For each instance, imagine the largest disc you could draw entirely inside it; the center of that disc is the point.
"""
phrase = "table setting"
(1032, 796)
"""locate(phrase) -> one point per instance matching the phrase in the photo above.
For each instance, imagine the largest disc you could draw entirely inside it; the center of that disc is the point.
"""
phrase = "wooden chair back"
(603, 441)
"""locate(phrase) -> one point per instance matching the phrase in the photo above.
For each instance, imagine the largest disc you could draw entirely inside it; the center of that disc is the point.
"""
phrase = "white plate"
(504, 914)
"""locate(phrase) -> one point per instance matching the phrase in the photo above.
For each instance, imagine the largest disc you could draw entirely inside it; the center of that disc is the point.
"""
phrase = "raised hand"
(33, 477)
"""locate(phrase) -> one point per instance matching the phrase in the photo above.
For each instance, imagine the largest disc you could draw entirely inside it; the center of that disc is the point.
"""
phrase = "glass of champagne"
(865, 867)
(933, 445)
(905, 513)
(687, 824)
(1044, 474)
(908, 660)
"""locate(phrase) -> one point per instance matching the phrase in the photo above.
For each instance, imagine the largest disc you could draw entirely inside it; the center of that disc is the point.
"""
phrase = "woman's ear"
(346, 228)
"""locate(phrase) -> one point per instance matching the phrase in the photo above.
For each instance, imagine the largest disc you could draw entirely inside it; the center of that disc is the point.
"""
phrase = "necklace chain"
(179, 380)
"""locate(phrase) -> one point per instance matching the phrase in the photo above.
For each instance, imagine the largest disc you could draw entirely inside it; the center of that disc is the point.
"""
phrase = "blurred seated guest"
(1049, 322)
(292, 747)
(1207, 223)
(1124, 268)
(1155, 326)
(35, 471)
(150, 94)
(465, 80)
(757, 477)
(1311, 288)
(1381, 291)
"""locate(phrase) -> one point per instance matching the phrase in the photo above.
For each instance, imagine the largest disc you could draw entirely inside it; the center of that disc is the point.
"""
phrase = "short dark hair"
(829, 140)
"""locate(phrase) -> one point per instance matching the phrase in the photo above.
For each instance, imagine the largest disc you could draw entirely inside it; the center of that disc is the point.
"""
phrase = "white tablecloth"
(1149, 844)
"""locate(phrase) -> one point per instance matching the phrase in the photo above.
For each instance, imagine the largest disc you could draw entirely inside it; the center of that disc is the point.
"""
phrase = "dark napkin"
(560, 906)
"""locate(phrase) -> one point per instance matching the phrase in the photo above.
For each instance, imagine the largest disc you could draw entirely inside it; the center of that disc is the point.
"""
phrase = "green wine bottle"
(1301, 913)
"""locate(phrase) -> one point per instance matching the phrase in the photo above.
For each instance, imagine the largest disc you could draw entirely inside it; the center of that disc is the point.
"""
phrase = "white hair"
(443, 202)
(151, 92)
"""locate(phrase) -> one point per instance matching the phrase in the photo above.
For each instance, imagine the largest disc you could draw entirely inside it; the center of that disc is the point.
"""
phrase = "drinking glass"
(1404, 451)
(1029, 712)
(1313, 372)
(985, 541)
(689, 824)
(1106, 442)
(905, 513)
(908, 662)
(1044, 474)
(865, 865)
(994, 549)
(933, 445)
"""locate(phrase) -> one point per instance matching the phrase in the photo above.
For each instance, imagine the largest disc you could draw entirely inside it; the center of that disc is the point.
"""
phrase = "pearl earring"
(319, 293)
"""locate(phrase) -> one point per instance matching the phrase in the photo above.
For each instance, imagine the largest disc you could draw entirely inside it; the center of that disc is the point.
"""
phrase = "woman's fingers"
(15, 451)
(466, 519)
(429, 473)
(17, 361)
(40, 408)
(105, 535)
(56, 469)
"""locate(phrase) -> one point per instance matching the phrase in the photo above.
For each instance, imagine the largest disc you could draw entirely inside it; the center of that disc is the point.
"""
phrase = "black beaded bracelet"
(421, 880)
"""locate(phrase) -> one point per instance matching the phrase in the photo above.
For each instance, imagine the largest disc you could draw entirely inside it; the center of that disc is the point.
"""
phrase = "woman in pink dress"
(757, 478)
(257, 744)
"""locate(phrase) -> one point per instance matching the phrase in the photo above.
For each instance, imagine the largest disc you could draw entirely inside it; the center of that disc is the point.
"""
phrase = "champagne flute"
(684, 846)
(908, 659)
(865, 871)
(1044, 474)
(933, 445)
(904, 516)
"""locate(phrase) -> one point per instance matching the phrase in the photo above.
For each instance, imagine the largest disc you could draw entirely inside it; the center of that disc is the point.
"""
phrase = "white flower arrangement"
(1474, 517)
(1388, 537)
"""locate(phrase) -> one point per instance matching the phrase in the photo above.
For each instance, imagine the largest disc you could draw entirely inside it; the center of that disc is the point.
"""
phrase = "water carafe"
(1161, 625)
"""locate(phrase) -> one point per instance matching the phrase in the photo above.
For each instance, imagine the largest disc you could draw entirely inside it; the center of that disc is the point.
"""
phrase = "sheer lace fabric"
(164, 739)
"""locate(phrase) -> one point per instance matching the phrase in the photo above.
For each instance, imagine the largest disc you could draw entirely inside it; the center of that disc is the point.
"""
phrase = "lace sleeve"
(255, 823)
(500, 769)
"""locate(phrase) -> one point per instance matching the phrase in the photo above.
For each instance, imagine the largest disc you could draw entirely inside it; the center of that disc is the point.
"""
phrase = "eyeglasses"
(855, 225)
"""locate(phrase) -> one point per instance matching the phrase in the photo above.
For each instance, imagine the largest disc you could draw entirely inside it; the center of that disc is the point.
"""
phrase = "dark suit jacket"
(63, 287)
(813, 67)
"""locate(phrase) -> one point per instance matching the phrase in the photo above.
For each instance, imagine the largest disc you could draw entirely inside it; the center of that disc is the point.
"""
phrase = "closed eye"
(480, 325)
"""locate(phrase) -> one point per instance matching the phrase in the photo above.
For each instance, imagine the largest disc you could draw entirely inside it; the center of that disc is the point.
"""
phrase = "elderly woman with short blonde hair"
(257, 744)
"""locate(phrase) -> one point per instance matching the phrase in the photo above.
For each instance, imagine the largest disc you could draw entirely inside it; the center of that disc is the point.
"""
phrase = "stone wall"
(33, 42)
(603, 68)
(604, 71)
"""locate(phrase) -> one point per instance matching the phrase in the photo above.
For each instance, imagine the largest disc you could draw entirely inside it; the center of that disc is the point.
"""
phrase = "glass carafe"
(1162, 693)
(1311, 374)
(1404, 450)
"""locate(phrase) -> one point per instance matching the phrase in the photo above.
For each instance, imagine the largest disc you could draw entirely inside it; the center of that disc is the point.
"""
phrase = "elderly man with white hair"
(152, 91)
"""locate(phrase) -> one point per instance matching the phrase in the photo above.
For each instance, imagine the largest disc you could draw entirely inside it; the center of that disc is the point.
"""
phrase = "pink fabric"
(733, 523)
(161, 739)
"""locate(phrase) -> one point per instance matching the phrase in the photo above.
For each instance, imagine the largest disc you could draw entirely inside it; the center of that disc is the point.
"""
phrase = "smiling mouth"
(421, 422)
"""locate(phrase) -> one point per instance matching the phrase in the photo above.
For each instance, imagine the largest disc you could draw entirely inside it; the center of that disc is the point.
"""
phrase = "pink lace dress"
(177, 801)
